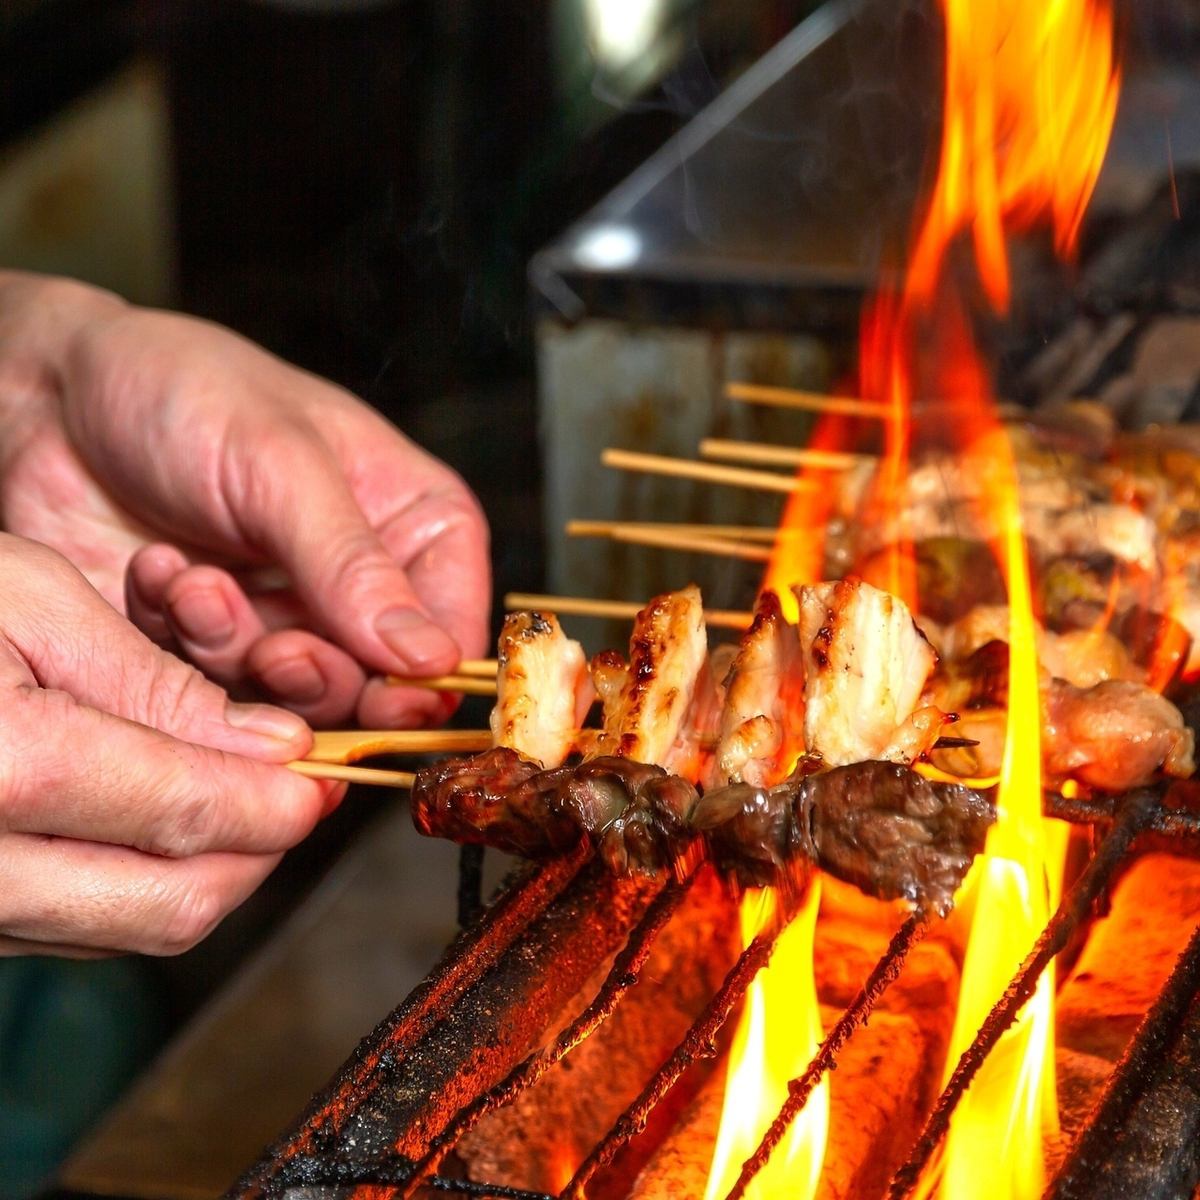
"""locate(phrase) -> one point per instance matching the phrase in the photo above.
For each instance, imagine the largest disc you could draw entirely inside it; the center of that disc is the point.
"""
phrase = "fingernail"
(296, 679)
(266, 721)
(204, 617)
(423, 648)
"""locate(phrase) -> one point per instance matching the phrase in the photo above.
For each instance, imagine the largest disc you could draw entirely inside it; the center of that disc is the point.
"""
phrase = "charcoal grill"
(460, 1045)
(469, 1041)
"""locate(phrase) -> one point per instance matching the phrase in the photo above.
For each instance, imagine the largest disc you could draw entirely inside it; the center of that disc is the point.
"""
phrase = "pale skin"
(249, 518)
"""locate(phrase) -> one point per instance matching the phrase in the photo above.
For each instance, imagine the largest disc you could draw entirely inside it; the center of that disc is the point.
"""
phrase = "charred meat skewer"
(878, 825)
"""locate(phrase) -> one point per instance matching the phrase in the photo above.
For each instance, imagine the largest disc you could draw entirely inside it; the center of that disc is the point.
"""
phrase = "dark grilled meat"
(893, 833)
(878, 825)
(496, 798)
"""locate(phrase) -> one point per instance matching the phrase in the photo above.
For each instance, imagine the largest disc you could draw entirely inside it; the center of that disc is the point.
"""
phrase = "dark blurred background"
(359, 186)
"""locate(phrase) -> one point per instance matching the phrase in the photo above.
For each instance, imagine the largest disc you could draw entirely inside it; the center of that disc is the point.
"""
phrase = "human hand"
(138, 805)
(261, 522)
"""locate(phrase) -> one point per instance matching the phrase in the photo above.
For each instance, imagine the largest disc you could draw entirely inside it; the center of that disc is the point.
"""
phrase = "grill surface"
(464, 1042)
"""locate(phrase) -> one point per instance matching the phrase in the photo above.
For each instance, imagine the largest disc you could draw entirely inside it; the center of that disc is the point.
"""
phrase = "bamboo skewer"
(686, 468)
(620, 610)
(668, 539)
(780, 456)
(780, 397)
(483, 668)
(374, 776)
(349, 745)
(472, 685)
(736, 533)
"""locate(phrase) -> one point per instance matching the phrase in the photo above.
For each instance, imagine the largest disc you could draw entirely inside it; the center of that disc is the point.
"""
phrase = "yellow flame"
(777, 1035)
(1012, 1101)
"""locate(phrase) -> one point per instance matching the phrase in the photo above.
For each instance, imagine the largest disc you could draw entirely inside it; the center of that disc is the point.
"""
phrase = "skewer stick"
(471, 685)
(348, 745)
(641, 535)
(621, 610)
(780, 456)
(778, 397)
(686, 468)
(483, 668)
(374, 776)
(737, 533)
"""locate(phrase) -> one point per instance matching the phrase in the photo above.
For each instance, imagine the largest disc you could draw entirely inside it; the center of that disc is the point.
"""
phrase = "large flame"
(779, 1032)
(1030, 96)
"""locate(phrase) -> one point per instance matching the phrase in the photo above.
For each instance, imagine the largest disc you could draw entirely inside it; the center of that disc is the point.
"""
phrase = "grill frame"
(375, 1125)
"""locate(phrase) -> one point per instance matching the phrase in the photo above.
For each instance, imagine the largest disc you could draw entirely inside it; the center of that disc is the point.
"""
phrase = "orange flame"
(1030, 97)
(779, 1032)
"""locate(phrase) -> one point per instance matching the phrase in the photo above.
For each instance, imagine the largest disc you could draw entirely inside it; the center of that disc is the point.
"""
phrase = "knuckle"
(179, 695)
(194, 825)
(191, 913)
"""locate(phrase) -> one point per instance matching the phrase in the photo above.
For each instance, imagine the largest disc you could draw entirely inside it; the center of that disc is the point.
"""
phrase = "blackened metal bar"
(1144, 1137)
(480, 1012)
(698, 1042)
(470, 884)
(388, 1178)
(624, 973)
(498, 1191)
(799, 1089)
(1172, 822)
(1135, 815)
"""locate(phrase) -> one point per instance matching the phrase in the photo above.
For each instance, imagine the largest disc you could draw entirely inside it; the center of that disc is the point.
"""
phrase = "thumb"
(73, 641)
(306, 517)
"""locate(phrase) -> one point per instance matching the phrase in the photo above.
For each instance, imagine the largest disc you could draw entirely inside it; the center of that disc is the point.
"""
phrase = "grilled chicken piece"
(1115, 529)
(762, 725)
(1083, 657)
(1114, 736)
(542, 689)
(865, 664)
(668, 655)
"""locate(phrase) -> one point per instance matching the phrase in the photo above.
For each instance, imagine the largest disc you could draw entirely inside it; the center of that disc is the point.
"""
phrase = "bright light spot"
(621, 31)
(608, 248)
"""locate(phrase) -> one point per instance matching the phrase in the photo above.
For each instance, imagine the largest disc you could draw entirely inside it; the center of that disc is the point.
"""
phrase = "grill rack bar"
(1135, 815)
(884, 974)
(698, 1042)
(624, 973)
(1145, 811)
(1162, 1063)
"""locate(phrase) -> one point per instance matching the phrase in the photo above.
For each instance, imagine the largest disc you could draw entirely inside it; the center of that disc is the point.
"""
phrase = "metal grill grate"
(569, 916)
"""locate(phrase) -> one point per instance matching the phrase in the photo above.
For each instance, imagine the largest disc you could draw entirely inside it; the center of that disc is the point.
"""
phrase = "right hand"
(138, 805)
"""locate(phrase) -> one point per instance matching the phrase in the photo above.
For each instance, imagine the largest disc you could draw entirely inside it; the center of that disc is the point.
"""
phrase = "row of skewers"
(797, 745)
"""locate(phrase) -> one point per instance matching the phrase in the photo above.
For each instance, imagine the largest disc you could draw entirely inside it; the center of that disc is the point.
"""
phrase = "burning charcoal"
(892, 833)
(496, 798)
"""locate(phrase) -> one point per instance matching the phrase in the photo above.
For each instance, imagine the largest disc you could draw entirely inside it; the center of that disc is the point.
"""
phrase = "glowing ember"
(779, 1032)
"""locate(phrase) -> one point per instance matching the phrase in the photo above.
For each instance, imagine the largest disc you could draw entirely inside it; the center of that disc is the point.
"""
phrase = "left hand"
(181, 467)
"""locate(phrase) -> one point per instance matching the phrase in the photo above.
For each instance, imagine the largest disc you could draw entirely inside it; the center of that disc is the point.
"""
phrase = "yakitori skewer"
(472, 685)
(620, 610)
(645, 535)
(483, 668)
(780, 397)
(374, 776)
(779, 456)
(687, 468)
(736, 533)
(349, 745)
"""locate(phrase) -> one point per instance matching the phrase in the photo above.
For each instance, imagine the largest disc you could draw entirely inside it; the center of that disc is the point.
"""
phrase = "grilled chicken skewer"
(877, 825)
